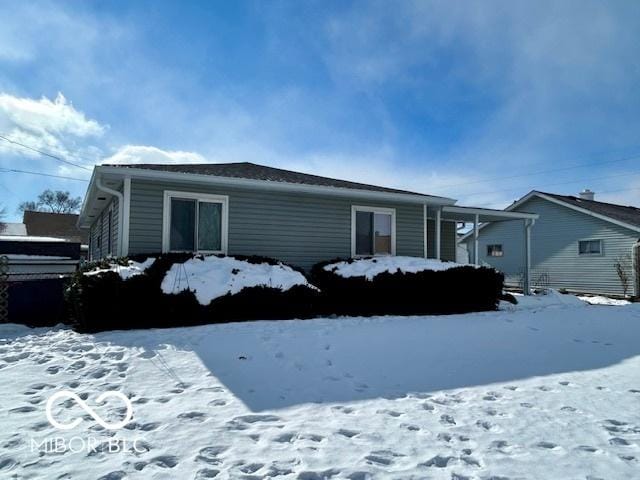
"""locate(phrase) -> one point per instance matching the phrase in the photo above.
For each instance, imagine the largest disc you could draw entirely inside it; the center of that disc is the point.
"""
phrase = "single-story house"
(249, 209)
(579, 244)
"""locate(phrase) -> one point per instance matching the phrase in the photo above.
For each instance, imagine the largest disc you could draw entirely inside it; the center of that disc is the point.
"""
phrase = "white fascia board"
(86, 200)
(487, 211)
(277, 186)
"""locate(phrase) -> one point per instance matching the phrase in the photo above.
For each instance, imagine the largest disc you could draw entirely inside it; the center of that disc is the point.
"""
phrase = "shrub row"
(106, 302)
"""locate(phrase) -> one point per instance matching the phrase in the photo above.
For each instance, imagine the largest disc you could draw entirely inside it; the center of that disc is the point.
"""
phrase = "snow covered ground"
(547, 391)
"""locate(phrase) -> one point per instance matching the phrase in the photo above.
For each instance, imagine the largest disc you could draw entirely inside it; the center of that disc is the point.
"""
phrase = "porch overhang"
(483, 215)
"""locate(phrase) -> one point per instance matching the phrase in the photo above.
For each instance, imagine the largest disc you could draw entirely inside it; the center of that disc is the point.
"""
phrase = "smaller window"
(590, 247)
(494, 250)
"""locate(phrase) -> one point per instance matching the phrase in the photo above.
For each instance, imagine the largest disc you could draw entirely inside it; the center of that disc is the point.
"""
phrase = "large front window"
(194, 223)
(373, 231)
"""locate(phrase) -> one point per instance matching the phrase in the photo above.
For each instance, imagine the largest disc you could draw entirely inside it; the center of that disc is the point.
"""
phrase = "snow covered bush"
(183, 289)
(405, 286)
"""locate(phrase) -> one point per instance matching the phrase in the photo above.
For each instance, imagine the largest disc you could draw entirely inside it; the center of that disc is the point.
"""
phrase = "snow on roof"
(13, 228)
(30, 238)
(370, 267)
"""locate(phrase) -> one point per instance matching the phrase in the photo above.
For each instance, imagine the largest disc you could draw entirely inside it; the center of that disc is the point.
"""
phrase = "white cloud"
(149, 154)
(54, 126)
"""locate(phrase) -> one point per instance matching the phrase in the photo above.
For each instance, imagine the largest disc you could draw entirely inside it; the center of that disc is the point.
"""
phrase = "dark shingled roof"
(253, 171)
(621, 213)
(56, 225)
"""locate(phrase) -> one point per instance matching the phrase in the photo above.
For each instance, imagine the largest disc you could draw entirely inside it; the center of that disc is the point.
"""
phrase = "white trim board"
(206, 197)
(364, 208)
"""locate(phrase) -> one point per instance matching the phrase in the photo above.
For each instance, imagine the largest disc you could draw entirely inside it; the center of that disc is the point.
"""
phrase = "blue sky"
(447, 98)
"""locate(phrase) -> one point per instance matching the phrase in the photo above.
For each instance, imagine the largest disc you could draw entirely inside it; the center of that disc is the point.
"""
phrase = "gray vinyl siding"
(100, 228)
(555, 260)
(299, 229)
(447, 240)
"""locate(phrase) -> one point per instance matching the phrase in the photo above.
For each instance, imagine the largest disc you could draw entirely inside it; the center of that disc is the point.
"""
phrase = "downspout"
(120, 197)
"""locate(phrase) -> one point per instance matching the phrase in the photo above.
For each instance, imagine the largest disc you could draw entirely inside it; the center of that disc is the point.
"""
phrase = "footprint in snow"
(165, 461)
(568, 409)
(447, 420)
(347, 433)
(547, 445)
(619, 442)
(206, 473)
(391, 413)
(439, 461)
(251, 467)
(324, 475)
(587, 448)
(257, 418)
(193, 416)
(284, 438)
(210, 454)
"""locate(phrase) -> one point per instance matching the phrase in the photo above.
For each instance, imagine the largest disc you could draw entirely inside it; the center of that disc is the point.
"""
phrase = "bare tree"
(624, 270)
(53, 201)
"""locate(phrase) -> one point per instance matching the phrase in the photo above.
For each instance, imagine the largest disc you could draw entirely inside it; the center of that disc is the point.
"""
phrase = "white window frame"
(495, 245)
(600, 254)
(363, 208)
(204, 197)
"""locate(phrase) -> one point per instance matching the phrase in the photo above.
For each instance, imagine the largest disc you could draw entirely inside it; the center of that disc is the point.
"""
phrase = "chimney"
(587, 194)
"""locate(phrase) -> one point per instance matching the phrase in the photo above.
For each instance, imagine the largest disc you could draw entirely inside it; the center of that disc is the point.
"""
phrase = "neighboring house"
(12, 229)
(249, 209)
(577, 243)
(56, 225)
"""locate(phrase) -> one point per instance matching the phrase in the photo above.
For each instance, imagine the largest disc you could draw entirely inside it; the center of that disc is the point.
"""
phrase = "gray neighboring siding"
(298, 229)
(554, 253)
(100, 228)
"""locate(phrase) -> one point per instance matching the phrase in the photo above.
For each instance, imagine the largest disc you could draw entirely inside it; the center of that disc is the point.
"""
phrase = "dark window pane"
(209, 226)
(382, 232)
(183, 222)
(364, 233)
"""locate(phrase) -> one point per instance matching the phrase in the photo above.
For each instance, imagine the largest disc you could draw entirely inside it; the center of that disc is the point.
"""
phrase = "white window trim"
(204, 197)
(361, 208)
(591, 254)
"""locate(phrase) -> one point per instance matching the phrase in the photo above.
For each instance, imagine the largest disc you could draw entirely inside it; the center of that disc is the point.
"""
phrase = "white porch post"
(476, 255)
(438, 231)
(126, 210)
(424, 225)
(528, 223)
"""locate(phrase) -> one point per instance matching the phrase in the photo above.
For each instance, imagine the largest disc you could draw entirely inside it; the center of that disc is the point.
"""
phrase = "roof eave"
(266, 184)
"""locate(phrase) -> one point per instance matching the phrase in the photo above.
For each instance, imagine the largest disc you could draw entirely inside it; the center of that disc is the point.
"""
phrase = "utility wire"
(486, 192)
(539, 172)
(13, 170)
(46, 154)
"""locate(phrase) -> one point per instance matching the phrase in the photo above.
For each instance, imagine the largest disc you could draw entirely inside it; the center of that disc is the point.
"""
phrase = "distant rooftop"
(622, 213)
(58, 225)
(10, 229)
(254, 171)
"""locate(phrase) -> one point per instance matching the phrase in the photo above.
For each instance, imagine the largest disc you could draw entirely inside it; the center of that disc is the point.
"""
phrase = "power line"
(486, 192)
(551, 170)
(46, 154)
(13, 170)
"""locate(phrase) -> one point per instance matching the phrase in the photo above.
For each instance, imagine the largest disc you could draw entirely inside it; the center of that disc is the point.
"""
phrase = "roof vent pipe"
(587, 194)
